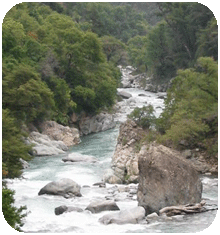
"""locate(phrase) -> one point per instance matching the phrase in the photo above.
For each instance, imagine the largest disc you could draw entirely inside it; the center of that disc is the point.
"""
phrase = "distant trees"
(186, 32)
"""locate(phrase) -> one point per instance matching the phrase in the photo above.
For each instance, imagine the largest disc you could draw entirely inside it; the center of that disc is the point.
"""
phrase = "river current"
(42, 170)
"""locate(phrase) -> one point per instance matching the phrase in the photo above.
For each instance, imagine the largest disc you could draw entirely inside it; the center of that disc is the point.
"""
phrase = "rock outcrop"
(69, 135)
(63, 187)
(125, 159)
(99, 206)
(93, 124)
(44, 146)
(132, 216)
(166, 179)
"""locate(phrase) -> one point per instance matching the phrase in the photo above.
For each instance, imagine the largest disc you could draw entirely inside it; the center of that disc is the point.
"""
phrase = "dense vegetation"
(60, 58)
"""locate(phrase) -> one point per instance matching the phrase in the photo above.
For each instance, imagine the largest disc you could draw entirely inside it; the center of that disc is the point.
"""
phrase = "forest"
(60, 58)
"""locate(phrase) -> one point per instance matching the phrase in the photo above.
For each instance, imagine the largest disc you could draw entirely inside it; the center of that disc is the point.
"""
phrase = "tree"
(191, 103)
(11, 214)
(143, 116)
(13, 146)
(28, 98)
(159, 57)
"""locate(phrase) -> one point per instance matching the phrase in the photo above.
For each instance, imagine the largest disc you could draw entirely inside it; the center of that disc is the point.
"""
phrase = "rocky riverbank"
(54, 138)
(124, 167)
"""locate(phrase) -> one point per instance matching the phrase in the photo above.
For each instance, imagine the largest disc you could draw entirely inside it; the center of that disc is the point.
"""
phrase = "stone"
(124, 94)
(97, 123)
(69, 135)
(61, 209)
(166, 179)
(99, 206)
(77, 157)
(125, 161)
(24, 163)
(63, 187)
(187, 153)
(152, 216)
(44, 146)
(132, 216)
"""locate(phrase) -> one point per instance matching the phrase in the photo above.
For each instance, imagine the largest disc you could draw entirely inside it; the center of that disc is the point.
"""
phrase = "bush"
(143, 117)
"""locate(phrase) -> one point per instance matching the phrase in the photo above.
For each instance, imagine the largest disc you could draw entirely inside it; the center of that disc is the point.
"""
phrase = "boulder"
(63, 187)
(124, 94)
(61, 209)
(44, 146)
(98, 206)
(97, 123)
(69, 135)
(132, 216)
(166, 179)
(125, 160)
(77, 157)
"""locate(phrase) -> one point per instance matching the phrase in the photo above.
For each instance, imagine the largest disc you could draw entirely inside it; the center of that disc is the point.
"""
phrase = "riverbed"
(42, 170)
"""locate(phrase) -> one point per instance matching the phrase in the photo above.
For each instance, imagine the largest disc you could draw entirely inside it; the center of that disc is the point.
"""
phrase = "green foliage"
(186, 32)
(12, 215)
(191, 102)
(143, 116)
(137, 51)
(13, 146)
(26, 95)
(114, 49)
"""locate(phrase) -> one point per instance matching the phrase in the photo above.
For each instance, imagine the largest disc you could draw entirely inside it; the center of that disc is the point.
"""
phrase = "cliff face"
(125, 158)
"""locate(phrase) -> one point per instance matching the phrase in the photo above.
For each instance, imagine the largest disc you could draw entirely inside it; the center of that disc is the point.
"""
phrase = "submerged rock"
(166, 179)
(98, 206)
(63, 187)
(132, 216)
(77, 157)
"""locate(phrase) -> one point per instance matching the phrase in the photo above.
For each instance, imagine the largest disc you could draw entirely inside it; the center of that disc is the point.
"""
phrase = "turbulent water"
(42, 170)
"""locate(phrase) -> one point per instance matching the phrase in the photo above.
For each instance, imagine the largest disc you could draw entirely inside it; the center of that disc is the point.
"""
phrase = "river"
(42, 170)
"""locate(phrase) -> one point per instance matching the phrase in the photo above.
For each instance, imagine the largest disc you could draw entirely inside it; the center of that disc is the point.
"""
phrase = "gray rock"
(166, 179)
(97, 123)
(44, 146)
(132, 216)
(77, 157)
(124, 94)
(25, 164)
(152, 216)
(98, 206)
(61, 209)
(68, 135)
(63, 187)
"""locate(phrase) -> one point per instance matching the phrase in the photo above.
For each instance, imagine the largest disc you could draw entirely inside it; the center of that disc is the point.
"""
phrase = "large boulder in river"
(69, 135)
(124, 94)
(98, 206)
(130, 216)
(63, 187)
(166, 179)
(77, 157)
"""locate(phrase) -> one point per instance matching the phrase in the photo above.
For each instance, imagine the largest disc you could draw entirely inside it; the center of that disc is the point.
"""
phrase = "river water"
(42, 170)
